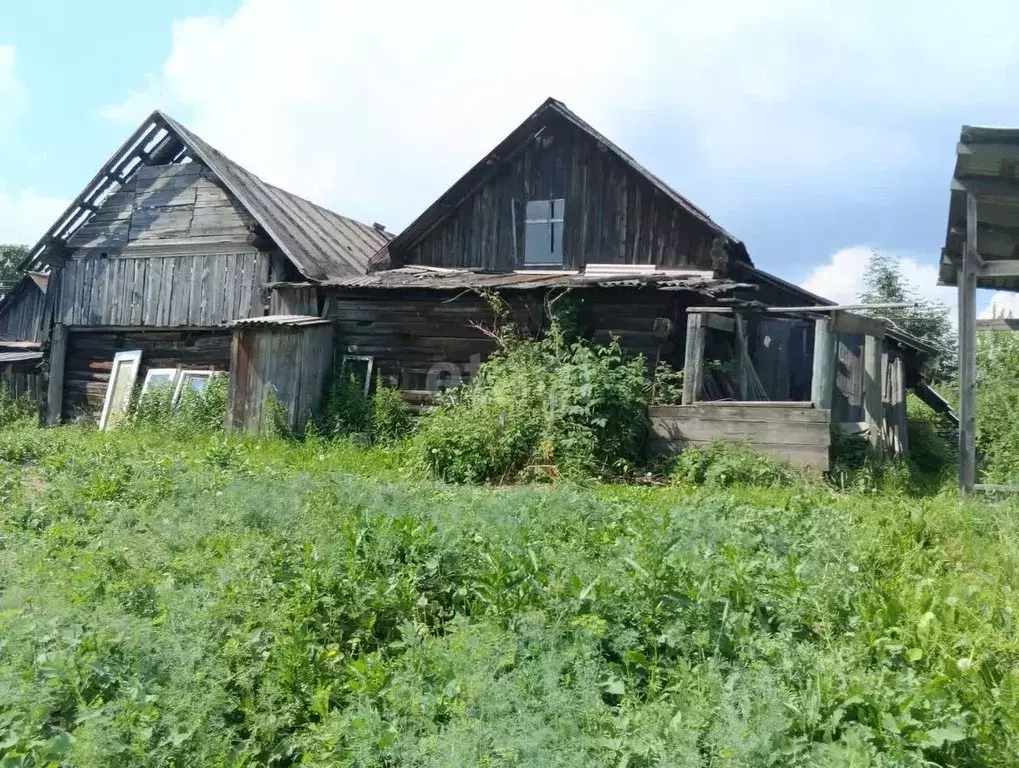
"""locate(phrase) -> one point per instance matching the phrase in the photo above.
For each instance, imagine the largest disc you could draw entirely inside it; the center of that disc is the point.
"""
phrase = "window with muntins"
(543, 233)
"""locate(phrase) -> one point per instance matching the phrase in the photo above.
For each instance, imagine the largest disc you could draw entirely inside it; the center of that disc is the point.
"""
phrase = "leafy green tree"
(928, 319)
(11, 257)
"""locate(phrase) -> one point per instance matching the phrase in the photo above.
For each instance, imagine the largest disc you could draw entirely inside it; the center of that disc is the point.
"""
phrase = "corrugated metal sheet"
(287, 321)
(19, 357)
(987, 162)
(444, 206)
(463, 279)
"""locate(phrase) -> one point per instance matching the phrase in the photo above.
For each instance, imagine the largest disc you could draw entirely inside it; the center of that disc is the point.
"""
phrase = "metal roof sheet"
(986, 164)
(20, 357)
(289, 321)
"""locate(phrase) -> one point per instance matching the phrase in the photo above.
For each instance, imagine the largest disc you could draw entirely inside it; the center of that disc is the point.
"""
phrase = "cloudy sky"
(815, 131)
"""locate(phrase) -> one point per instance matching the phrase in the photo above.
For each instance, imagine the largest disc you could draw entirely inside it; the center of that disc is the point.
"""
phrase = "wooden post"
(967, 280)
(55, 388)
(824, 363)
(693, 365)
(872, 391)
(898, 373)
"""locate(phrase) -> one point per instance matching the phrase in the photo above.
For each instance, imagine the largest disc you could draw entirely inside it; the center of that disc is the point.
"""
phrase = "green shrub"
(721, 465)
(23, 408)
(544, 406)
(381, 418)
(196, 412)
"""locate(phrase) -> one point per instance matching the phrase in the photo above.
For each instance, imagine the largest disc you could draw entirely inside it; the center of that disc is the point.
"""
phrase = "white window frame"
(151, 373)
(368, 373)
(125, 364)
(190, 373)
(551, 221)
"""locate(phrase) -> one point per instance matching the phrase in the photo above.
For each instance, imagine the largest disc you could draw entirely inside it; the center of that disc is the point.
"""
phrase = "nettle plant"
(540, 408)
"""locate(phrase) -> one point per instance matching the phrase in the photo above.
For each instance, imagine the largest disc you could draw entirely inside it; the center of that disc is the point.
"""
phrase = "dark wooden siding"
(168, 249)
(423, 339)
(23, 378)
(290, 363)
(22, 317)
(163, 291)
(90, 359)
(613, 214)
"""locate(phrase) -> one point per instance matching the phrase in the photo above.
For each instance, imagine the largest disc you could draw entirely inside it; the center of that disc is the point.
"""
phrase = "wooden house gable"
(557, 194)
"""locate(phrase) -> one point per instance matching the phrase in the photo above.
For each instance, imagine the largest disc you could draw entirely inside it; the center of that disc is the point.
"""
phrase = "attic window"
(543, 233)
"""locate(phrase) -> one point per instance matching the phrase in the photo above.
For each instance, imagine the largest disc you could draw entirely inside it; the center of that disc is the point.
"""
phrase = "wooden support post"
(55, 388)
(693, 365)
(901, 423)
(967, 280)
(873, 391)
(824, 363)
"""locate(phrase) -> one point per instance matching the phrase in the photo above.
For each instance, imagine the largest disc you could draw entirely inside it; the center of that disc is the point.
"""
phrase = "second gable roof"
(322, 244)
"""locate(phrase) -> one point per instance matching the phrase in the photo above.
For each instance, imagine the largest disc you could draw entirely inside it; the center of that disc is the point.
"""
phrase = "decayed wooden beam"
(55, 388)
(823, 378)
(967, 351)
(872, 391)
(693, 365)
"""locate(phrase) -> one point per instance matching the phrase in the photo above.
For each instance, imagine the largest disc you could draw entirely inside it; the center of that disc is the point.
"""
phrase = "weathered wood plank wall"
(790, 432)
(294, 300)
(19, 379)
(613, 214)
(25, 314)
(90, 359)
(423, 339)
(164, 205)
(163, 291)
(290, 365)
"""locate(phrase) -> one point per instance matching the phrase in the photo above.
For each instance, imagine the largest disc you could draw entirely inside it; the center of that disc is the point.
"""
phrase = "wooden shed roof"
(986, 166)
(321, 244)
(527, 130)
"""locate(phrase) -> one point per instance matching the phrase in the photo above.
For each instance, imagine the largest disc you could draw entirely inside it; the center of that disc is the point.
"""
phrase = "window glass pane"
(559, 209)
(537, 243)
(538, 210)
(556, 257)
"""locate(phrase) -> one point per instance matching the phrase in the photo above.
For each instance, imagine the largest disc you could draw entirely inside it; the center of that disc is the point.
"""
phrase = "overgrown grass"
(212, 600)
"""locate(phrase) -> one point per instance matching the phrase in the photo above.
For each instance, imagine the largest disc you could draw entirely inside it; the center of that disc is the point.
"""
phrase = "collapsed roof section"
(321, 244)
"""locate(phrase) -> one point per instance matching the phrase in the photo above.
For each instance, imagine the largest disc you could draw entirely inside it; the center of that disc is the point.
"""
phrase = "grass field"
(167, 601)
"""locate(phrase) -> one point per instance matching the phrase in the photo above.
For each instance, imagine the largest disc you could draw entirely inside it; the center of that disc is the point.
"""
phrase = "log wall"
(90, 359)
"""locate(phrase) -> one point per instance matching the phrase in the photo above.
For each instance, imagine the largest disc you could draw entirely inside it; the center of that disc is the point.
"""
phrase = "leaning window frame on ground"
(123, 377)
(186, 375)
(369, 361)
(155, 373)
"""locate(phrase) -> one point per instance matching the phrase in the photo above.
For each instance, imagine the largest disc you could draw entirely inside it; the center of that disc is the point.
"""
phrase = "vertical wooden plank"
(902, 420)
(138, 291)
(259, 277)
(872, 391)
(153, 279)
(968, 350)
(55, 386)
(693, 366)
(70, 270)
(821, 386)
(215, 289)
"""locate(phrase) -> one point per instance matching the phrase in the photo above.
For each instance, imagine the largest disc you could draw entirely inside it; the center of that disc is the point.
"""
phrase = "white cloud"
(375, 108)
(26, 215)
(13, 96)
(841, 278)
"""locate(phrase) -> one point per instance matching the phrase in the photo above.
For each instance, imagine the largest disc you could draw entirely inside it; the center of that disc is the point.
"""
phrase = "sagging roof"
(321, 244)
(985, 165)
(526, 131)
(437, 278)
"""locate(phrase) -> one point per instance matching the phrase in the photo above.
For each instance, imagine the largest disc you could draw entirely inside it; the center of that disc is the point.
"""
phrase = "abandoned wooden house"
(558, 207)
(166, 246)
(177, 253)
(25, 315)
